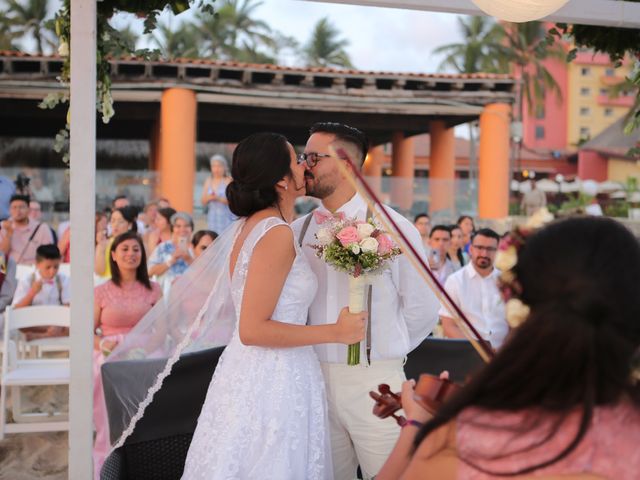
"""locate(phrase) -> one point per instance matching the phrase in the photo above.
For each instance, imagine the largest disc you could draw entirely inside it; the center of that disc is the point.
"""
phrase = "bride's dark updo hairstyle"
(259, 162)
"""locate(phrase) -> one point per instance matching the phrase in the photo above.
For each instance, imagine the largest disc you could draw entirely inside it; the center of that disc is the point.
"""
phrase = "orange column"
(372, 168)
(442, 167)
(402, 166)
(177, 147)
(493, 161)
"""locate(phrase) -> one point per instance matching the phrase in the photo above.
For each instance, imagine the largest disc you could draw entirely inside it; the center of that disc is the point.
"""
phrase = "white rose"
(355, 248)
(506, 259)
(63, 49)
(369, 245)
(365, 230)
(324, 236)
(540, 218)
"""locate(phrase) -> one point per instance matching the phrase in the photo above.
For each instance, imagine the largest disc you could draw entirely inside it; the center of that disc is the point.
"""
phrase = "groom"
(403, 310)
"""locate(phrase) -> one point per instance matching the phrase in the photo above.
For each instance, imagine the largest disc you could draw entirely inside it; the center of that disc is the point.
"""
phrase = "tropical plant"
(481, 50)
(527, 47)
(235, 32)
(325, 48)
(28, 19)
(182, 42)
(7, 36)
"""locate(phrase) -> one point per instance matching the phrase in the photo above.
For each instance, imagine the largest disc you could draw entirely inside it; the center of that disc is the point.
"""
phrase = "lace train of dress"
(265, 411)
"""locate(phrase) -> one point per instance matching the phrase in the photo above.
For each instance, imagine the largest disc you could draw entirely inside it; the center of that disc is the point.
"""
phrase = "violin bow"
(358, 182)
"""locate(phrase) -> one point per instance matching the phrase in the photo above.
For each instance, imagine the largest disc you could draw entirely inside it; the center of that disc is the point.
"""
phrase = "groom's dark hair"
(346, 134)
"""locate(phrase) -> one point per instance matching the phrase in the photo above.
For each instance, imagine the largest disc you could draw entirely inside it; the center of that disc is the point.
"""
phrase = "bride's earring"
(286, 187)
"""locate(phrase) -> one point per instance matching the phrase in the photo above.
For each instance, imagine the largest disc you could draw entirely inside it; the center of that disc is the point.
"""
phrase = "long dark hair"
(581, 279)
(459, 254)
(142, 275)
(130, 214)
(259, 162)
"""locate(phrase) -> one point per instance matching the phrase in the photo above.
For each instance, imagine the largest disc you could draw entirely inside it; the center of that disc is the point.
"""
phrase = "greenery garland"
(108, 40)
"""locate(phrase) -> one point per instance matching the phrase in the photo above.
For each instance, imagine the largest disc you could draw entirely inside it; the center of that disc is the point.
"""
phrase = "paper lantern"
(519, 10)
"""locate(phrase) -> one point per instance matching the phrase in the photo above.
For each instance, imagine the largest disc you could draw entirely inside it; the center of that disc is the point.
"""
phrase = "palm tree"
(29, 19)
(526, 51)
(234, 31)
(182, 42)
(126, 42)
(481, 50)
(7, 36)
(325, 48)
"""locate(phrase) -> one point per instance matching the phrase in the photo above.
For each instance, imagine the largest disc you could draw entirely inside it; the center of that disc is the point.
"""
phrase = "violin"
(430, 393)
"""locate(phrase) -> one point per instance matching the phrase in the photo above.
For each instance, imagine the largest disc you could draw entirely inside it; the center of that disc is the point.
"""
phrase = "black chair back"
(434, 355)
(158, 446)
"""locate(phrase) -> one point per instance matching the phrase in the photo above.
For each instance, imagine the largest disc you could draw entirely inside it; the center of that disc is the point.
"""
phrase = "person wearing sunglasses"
(403, 309)
(474, 288)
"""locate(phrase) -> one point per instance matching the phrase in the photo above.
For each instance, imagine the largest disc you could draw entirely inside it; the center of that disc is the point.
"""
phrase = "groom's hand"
(350, 327)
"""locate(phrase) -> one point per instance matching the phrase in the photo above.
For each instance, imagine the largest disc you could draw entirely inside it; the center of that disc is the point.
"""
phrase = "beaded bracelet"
(415, 423)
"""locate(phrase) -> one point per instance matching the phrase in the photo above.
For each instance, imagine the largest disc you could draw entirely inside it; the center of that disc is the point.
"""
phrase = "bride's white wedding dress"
(265, 411)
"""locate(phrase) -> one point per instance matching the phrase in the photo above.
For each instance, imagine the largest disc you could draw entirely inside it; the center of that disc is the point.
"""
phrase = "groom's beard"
(318, 187)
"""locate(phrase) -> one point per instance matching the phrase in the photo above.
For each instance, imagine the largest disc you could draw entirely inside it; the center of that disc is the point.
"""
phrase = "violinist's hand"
(412, 410)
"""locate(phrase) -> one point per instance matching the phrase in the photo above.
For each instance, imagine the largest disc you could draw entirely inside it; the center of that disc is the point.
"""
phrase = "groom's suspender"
(303, 232)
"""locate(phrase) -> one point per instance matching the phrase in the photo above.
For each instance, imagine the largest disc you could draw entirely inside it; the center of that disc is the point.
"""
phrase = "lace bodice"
(299, 288)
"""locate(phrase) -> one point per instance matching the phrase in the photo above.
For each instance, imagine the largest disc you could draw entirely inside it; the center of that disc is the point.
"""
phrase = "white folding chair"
(18, 373)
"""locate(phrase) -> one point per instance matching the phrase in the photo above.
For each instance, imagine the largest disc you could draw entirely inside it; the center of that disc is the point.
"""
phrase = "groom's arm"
(418, 304)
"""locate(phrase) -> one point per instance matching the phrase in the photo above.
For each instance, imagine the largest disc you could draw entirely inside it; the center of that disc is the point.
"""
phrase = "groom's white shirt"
(404, 309)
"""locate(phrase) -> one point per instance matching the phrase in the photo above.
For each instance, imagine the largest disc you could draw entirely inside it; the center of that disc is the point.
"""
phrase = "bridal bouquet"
(359, 249)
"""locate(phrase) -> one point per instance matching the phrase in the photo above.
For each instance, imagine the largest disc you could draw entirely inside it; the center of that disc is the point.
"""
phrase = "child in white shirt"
(45, 286)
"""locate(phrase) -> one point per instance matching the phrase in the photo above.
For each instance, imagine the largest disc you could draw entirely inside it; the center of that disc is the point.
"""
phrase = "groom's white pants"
(358, 436)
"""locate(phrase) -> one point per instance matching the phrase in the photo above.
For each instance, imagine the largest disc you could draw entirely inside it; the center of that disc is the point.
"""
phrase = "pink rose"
(348, 235)
(384, 244)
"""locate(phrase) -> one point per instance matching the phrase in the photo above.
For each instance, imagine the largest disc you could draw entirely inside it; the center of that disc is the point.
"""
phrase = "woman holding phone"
(171, 258)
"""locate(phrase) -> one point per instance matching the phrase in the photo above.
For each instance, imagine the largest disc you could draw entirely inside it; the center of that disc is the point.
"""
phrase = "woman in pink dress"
(561, 399)
(119, 305)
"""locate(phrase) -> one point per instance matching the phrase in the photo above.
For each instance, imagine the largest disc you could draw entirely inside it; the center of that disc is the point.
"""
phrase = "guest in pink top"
(562, 396)
(119, 305)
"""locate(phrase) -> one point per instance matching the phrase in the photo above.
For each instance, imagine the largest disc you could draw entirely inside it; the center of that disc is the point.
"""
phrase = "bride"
(265, 411)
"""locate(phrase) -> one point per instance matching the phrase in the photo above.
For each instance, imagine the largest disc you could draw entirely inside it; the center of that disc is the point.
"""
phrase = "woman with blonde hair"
(214, 195)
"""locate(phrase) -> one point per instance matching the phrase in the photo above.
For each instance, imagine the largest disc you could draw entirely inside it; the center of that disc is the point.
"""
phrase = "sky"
(380, 39)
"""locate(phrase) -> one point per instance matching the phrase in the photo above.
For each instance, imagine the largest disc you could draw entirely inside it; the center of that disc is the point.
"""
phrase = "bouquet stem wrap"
(357, 303)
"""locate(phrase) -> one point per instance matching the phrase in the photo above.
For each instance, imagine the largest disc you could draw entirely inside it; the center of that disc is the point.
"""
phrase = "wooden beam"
(606, 13)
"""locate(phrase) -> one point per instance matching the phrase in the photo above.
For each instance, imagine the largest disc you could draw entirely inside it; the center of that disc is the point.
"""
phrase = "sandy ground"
(27, 456)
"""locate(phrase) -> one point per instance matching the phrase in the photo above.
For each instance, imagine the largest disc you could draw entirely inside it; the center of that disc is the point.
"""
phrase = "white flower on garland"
(506, 259)
(355, 248)
(63, 49)
(516, 312)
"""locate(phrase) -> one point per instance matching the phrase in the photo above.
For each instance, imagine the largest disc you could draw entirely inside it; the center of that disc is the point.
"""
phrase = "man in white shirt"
(403, 310)
(474, 288)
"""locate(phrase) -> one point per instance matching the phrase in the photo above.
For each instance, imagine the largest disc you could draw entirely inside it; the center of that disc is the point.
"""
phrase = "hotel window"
(539, 132)
(540, 112)
(585, 111)
(608, 112)
(610, 72)
(604, 91)
(585, 91)
(585, 132)
(585, 71)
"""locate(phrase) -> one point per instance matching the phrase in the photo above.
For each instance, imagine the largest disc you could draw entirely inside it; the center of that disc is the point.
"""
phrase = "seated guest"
(122, 220)
(201, 240)
(119, 305)
(455, 253)
(439, 241)
(45, 286)
(474, 288)
(561, 399)
(423, 223)
(20, 236)
(171, 259)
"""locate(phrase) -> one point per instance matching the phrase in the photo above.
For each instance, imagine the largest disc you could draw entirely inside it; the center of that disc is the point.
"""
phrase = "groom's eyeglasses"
(311, 158)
